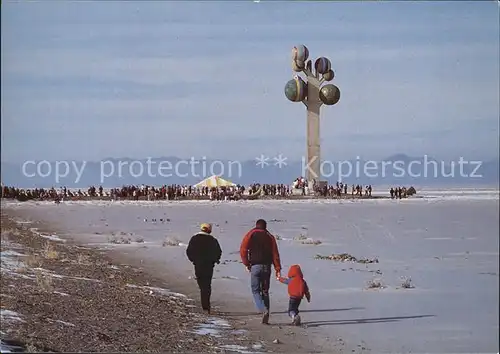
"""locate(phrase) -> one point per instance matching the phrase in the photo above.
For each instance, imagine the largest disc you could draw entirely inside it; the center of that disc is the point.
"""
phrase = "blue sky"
(89, 80)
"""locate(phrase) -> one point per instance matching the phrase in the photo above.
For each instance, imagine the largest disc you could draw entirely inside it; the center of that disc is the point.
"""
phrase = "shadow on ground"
(236, 314)
(361, 320)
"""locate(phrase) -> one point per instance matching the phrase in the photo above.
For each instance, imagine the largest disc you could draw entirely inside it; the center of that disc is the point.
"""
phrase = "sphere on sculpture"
(329, 94)
(300, 53)
(322, 65)
(328, 76)
(298, 65)
(296, 89)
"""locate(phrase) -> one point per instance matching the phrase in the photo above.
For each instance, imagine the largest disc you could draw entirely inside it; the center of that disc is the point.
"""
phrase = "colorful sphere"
(329, 94)
(296, 90)
(329, 75)
(298, 66)
(322, 65)
(300, 53)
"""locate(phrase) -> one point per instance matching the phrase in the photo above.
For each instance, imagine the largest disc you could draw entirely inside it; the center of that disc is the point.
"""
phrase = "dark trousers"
(204, 274)
(293, 306)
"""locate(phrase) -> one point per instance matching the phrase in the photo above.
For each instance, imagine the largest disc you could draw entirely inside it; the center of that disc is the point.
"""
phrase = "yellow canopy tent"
(214, 181)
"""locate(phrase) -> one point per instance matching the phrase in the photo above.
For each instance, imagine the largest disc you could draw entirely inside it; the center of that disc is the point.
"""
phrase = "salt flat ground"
(447, 244)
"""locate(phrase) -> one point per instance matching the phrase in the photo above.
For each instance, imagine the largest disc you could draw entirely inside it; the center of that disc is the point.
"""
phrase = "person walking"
(297, 289)
(204, 252)
(258, 252)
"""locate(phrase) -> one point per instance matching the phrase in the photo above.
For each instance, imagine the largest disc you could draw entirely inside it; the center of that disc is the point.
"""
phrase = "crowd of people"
(145, 192)
(300, 187)
(401, 192)
(342, 189)
(132, 192)
(339, 190)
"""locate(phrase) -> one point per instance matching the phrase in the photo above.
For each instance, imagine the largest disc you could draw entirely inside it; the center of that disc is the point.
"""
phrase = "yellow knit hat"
(205, 227)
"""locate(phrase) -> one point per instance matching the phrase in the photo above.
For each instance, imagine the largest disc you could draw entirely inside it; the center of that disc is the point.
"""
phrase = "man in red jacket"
(258, 252)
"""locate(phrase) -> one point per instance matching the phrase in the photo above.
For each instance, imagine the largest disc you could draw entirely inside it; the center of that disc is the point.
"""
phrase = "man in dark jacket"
(258, 252)
(204, 251)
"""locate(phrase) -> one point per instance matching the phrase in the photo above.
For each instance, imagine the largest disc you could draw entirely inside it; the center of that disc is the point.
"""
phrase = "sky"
(91, 80)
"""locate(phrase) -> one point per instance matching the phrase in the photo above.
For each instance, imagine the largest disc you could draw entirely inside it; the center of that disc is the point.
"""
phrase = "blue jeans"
(293, 306)
(260, 280)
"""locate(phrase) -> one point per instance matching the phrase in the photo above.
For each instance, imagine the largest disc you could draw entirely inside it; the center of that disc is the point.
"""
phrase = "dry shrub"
(44, 281)
(171, 242)
(375, 284)
(31, 348)
(310, 241)
(406, 283)
(301, 237)
(139, 240)
(82, 259)
(49, 252)
(21, 267)
(120, 240)
(345, 257)
(16, 232)
(33, 261)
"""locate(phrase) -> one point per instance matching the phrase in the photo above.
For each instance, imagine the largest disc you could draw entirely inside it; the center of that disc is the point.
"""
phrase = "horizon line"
(392, 157)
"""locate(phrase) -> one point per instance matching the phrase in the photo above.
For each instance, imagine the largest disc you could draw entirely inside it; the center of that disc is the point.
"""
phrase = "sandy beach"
(432, 288)
(61, 296)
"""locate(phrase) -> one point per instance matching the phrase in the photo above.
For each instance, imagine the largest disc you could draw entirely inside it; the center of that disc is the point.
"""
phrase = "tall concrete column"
(313, 128)
(313, 96)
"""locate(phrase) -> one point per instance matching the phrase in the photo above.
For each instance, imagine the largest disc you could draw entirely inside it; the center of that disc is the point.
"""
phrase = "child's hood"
(295, 272)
